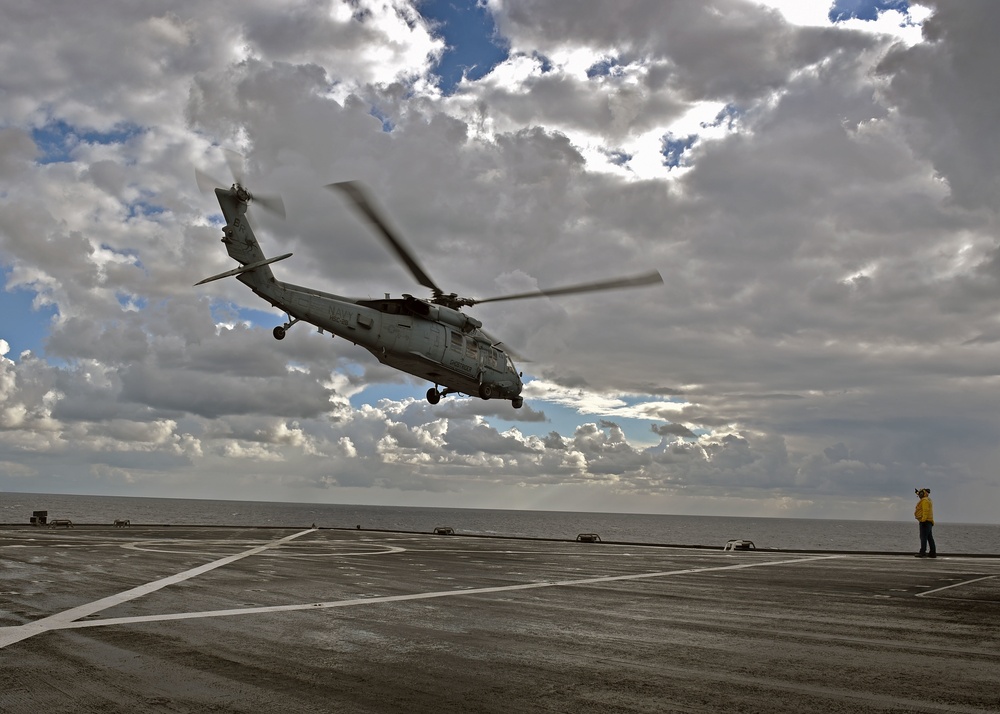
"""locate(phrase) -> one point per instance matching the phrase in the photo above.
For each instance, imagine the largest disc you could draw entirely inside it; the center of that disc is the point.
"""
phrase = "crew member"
(924, 513)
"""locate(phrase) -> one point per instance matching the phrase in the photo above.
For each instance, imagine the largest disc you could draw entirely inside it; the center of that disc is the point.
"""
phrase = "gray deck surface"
(192, 619)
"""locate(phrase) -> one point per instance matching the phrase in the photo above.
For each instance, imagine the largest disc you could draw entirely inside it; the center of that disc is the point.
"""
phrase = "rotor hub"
(452, 300)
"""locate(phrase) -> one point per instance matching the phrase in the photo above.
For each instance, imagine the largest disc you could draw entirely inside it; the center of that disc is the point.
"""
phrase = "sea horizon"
(785, 532)
(474, 508)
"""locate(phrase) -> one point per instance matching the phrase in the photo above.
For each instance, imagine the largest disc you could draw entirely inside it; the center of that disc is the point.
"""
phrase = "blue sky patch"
(396, 392)
(144, 209)
(57, 139)
(843, 10)
(727, 117)
(602, 68)
(24, 328)
(131, 302)
(618, 158)
(474, 48)
(387, 124)
(674, 148)
(544, 61)
(230, 313)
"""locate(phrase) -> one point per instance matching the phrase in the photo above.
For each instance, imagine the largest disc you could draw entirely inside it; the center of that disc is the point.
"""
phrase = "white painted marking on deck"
(61, 620)
(66, 623)
(954, 585)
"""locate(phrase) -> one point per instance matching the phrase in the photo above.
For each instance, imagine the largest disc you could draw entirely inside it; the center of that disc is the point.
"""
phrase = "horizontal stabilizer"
(244, 269)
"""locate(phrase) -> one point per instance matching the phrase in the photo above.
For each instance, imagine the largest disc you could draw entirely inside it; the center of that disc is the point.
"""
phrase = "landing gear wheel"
(433, 395)
(486, 391)
(517, 402)
(278, 332)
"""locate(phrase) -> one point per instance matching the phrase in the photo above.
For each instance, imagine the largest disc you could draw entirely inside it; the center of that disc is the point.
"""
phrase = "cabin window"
(491, 358)
(471, 349)
(456, 340)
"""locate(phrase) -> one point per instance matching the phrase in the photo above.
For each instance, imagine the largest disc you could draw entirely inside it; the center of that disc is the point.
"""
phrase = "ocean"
(780, 533)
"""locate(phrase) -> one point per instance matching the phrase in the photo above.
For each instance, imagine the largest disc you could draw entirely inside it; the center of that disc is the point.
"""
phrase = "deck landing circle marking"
(174, 546)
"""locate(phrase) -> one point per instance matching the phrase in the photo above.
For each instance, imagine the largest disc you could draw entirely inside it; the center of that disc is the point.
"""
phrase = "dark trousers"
(927, 537)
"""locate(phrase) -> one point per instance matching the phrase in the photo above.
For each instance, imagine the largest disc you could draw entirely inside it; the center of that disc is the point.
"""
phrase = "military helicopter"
(427, 338)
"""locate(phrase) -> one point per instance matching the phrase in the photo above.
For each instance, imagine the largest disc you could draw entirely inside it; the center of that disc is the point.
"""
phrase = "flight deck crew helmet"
(922, 492)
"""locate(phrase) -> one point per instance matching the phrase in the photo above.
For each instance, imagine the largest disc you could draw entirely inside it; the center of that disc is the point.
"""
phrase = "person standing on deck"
(924, 513)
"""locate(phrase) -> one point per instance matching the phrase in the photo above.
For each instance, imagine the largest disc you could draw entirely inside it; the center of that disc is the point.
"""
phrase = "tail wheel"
(486, 391)
(278, 332)
(517, 402)
(433, 395)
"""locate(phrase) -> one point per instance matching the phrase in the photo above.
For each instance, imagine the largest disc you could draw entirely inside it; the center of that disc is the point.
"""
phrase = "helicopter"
(428, 338)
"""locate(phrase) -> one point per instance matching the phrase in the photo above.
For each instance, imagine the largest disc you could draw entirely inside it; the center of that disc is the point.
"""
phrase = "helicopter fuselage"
(435, 343)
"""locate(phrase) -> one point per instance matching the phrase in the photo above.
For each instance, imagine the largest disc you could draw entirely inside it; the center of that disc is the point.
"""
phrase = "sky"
(817, 183)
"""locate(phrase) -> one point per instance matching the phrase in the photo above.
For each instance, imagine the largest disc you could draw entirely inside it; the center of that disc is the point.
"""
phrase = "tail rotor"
(237, 167)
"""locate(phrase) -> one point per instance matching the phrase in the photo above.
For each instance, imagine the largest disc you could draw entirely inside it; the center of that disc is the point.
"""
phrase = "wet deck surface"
(189, 619)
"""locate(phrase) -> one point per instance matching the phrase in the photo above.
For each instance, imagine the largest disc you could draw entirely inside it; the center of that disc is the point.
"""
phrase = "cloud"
(943, 90)
(825, 335)
(673, 430)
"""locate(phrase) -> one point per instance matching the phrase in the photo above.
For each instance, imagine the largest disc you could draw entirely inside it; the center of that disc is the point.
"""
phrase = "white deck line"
(954, 585)
(16, 633)
(70, 624)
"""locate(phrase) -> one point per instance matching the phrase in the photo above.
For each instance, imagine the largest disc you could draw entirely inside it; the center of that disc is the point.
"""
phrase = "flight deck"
(234, 619)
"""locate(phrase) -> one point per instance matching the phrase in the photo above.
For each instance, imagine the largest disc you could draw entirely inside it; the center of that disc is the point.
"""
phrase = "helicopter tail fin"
(241, 243)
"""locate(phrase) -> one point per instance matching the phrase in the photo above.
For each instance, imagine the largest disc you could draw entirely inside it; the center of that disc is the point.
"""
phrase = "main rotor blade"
(356, 193)
(617, 283)
(206, 183)
(237, 165)
(514, 355)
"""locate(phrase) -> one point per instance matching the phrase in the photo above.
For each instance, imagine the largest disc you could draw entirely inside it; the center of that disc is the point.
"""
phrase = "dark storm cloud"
(212, 396)
(673, 430)
(946, 90)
